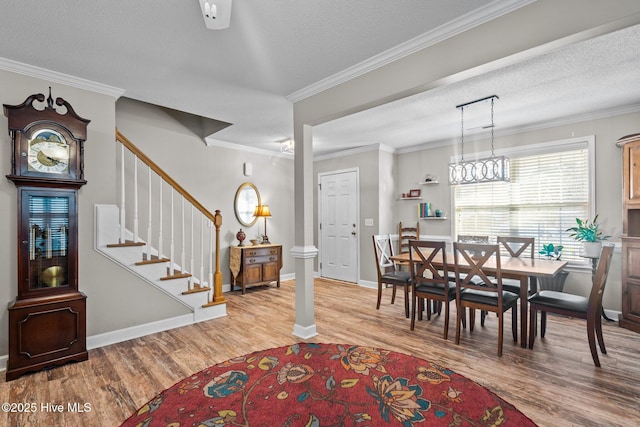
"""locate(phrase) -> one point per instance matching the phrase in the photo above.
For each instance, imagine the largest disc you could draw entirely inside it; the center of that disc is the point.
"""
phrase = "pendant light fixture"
(491, 169)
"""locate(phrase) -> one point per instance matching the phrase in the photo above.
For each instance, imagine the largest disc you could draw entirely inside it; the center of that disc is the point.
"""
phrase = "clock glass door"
(48, 241)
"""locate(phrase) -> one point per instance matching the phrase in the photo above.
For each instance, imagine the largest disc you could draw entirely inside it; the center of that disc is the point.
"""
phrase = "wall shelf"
(428, 182)
(430, 218)
(410, 198)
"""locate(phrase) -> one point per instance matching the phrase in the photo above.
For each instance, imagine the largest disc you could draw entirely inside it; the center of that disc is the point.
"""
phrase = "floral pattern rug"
(313, 385)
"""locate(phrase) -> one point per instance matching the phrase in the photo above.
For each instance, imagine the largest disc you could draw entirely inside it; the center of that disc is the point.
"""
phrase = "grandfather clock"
(47, 320)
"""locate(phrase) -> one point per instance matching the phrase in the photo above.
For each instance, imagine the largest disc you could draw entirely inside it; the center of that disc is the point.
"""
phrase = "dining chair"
(388, 272)
(517, 247)
(477, 288)
(430, 281)
(589, 308)
(405, 235)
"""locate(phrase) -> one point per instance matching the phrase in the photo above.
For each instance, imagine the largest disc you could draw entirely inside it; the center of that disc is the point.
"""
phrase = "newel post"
(218, 298)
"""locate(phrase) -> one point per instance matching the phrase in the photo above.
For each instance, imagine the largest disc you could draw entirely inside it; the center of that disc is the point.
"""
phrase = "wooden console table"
(255, 265)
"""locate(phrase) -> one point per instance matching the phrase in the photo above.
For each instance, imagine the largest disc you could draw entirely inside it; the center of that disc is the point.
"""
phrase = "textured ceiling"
(281, 50)
(593, 78)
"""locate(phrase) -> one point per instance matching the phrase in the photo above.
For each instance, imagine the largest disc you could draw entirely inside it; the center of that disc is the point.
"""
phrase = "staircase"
(192, 281)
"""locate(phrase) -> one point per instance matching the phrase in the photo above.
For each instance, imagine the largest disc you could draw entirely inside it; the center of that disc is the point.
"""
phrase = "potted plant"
(589, 233)
(551, 251)
(553, 283)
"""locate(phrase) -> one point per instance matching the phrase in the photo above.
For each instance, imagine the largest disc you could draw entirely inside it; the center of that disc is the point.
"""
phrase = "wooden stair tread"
(153, 260)
(128, 243)
(196, 288)
(176, 275)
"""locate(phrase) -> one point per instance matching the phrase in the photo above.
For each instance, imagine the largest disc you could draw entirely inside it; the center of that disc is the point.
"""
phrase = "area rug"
(313, 385)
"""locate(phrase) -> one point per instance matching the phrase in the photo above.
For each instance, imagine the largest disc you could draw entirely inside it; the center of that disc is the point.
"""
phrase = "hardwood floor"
(555, 384)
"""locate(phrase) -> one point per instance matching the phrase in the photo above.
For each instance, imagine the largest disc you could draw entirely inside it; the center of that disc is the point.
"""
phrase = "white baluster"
(172, 252)
(201, 247)
(191, 255)
(149, 222)
(135, 198)
(123, 217)
(183, 258)
(160, 219)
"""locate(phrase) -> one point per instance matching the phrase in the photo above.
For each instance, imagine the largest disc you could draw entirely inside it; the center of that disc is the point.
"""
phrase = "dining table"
(512, 268)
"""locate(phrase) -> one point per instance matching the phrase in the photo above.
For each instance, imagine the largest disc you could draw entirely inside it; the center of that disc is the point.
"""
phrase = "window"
(550, 187)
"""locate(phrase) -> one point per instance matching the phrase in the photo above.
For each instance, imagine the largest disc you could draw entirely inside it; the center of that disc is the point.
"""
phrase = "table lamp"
(263, 211)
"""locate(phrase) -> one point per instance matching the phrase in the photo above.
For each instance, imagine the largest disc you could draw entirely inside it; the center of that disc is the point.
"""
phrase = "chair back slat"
(600, 279)
(474, 257)
(516, 246)
(422, 258)
(405, 235)
(383, 249)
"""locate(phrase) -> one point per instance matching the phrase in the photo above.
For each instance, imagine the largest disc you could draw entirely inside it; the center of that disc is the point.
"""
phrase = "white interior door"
(339, 228)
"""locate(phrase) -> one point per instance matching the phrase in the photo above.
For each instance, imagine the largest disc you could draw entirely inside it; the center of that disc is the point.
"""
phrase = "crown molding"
(459, 25)
(353, 151)
(211, 142)
(56, 77)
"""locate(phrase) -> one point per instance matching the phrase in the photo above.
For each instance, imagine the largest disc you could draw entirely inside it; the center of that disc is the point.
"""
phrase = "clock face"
(48, 153)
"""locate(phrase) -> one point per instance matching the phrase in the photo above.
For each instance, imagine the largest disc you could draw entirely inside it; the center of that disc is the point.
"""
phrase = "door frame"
(319, 204)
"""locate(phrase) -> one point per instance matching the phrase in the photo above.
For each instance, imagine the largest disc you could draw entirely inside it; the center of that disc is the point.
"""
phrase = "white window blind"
(546, 194)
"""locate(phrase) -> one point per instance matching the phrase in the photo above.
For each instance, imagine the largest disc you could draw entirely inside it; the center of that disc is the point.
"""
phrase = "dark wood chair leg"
(500, 332)
(379, 295)
(413, 311)
(543, 323)
(446, 320)
(599, 334)
(591, 334)
(459, 312)
(406, 301)
(514, 322)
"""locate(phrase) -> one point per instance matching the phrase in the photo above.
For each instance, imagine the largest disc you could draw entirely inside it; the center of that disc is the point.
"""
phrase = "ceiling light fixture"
(287, 146)
(216, 13)
(210, 10)
(491, 169)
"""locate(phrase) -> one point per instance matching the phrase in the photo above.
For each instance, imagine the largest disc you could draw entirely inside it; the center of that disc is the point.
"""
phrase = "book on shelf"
(424, 210)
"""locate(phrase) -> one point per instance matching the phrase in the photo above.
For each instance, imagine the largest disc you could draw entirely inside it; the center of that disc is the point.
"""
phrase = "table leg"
(524, 305)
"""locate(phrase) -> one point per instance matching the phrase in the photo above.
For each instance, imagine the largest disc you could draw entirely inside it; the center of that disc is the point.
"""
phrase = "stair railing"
(199, 220)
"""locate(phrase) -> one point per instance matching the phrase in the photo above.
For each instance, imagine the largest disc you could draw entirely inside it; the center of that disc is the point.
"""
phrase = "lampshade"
(262, 211)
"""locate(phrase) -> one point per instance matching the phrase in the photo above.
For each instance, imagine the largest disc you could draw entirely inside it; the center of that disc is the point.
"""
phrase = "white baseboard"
(114, 337)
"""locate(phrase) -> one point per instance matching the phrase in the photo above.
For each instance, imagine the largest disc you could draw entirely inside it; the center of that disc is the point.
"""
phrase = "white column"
(304, 251)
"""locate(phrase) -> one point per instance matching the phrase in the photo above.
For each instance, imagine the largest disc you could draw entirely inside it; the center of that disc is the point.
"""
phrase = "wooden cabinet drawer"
(261, 252)
(261, 259)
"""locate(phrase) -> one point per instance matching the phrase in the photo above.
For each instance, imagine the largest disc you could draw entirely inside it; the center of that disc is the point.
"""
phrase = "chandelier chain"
(462, 133)
(492, 126)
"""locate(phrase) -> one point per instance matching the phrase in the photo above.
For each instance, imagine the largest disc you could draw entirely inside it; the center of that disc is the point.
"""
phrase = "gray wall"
(213, 174)
(117, 299)
(608, 184)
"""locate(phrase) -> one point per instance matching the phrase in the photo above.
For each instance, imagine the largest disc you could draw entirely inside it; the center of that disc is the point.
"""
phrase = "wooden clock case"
(47, 320)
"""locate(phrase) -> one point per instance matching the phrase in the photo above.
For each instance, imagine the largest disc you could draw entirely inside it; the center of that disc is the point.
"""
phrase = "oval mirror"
(247, 199)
